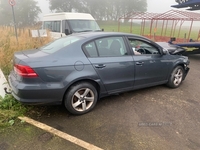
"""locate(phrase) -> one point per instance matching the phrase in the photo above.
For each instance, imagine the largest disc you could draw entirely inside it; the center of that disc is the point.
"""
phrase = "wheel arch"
(177, 64)
(94, 83)
(174, 66)
(180, 64)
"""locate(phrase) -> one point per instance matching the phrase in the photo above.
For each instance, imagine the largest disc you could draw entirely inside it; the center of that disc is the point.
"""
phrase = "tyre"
(176, 77)
(81, 98)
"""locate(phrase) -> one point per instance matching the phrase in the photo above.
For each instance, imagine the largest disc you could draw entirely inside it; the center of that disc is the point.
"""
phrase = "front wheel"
(176, 77)
(81, 98)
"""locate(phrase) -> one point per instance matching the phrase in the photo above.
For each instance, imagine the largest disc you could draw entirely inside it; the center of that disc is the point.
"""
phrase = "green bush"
(10, 109)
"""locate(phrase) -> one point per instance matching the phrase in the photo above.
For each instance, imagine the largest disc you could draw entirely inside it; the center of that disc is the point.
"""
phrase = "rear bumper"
(36, 93)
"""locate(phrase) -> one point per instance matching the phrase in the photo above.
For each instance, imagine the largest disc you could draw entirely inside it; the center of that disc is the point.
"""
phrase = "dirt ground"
(149, 119)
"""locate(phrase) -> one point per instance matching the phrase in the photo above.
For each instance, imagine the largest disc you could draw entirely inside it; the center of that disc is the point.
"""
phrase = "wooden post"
(29, 32)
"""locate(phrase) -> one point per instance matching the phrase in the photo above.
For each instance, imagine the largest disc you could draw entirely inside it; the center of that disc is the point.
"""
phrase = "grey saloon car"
(79, 69)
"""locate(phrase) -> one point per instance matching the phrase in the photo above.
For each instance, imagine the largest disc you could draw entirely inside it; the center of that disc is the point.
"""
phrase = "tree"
(118, 8)
(63, 5)
(102, 9)
(26, 12)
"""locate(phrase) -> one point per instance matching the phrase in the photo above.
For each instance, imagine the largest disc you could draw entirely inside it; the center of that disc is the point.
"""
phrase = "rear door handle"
(100, 66)
(139, 63)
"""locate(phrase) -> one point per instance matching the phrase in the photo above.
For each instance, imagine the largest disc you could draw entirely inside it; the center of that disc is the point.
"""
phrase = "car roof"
(99, 34)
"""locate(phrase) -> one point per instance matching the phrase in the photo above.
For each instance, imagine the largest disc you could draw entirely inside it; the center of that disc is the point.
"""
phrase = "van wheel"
(81, 98)
(176, 77)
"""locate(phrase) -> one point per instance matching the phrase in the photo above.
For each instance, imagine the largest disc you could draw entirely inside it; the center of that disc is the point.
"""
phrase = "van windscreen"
(83, 25)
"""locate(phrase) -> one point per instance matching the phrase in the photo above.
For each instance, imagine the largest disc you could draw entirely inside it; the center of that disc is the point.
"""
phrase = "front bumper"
(186, 72)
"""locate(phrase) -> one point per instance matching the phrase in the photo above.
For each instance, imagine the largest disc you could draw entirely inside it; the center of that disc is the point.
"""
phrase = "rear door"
(112, 62)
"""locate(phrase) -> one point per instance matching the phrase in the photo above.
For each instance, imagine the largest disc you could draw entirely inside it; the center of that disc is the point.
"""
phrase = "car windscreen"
(83, 25)
(59, 44)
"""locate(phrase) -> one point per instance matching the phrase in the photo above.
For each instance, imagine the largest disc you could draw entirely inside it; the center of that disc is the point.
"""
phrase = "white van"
(61, 24)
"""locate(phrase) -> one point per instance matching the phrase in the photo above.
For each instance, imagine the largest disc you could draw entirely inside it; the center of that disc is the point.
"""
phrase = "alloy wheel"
(82, 99)
(178, 77)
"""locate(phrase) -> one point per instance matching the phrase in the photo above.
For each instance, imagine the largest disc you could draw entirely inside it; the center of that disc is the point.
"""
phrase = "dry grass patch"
(10, 109)
(9, 45)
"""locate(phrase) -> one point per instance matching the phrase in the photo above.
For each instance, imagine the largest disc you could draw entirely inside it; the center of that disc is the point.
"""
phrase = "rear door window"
(106, 47)
(90, 50)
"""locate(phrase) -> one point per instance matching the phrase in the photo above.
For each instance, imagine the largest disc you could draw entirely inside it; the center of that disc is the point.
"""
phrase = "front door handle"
(100, 66)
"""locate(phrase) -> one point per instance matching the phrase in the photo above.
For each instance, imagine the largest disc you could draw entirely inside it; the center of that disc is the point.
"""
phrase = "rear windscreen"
(59, 44)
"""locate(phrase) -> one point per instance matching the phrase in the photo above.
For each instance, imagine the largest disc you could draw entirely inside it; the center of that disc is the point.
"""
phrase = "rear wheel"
(176, 77)
(81, 98)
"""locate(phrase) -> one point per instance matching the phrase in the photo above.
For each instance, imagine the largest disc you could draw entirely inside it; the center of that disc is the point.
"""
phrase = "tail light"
(25, 71)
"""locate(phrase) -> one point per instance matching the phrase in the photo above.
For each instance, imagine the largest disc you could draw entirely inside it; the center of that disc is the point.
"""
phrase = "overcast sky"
(157, 6)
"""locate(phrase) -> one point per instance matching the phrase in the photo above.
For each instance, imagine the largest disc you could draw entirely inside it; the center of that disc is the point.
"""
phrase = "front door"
(151, 67)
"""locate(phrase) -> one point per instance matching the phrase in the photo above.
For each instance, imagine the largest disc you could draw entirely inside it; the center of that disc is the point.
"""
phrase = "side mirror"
(102, 29)
(165, 51)
(67, 32)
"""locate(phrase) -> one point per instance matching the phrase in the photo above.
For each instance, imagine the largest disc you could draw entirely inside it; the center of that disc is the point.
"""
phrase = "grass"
(10, 109)
(136, 29)
(9, 45)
